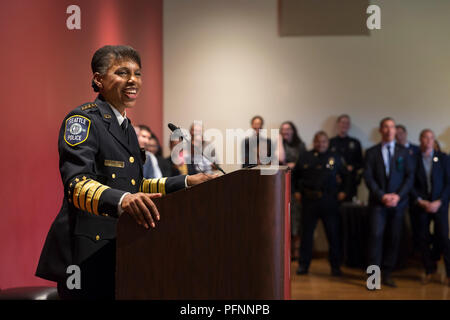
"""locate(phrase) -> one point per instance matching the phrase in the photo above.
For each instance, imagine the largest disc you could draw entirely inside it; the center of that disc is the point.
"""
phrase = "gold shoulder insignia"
(88, 106)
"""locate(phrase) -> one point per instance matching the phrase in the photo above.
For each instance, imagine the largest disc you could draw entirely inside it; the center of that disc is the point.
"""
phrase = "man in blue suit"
(389, 176)
(401, 137)
(430, 194)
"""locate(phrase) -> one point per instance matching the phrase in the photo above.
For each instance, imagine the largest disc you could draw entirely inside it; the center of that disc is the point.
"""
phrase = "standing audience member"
(200, 162)
(401, 136)
(350, 149)
(389, 177)
(256, 145)
(293, 148)
(316, 186)
(430, 193)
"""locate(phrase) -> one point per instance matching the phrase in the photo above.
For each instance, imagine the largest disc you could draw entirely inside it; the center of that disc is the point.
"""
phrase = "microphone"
(173, 128)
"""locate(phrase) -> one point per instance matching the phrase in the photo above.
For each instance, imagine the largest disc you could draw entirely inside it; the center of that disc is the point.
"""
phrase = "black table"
(355, 236)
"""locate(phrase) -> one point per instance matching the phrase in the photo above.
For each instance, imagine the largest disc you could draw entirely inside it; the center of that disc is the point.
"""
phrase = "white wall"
(224, 62)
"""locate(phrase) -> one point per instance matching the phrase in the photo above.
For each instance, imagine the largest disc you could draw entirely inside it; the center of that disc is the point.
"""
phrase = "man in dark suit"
(256, 145)
(430, 193)
(401, 137)
(389, 176)
(101, 170)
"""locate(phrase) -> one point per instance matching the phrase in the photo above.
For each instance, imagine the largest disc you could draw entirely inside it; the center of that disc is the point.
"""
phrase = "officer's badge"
(351, 145)
(330, 163)
(435, 159)
(77, 130)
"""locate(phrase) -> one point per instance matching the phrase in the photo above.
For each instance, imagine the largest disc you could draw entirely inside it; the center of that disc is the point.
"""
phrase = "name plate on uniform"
(114, 163)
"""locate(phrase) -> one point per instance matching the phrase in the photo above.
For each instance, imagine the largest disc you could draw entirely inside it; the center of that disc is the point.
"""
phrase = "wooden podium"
(228, 238)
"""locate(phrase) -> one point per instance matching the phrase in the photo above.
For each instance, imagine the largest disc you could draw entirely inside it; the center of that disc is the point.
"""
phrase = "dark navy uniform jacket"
(413, 149)
(440, 178)
(317, 172)
(401, 174)
(99, 162)
(350, 149)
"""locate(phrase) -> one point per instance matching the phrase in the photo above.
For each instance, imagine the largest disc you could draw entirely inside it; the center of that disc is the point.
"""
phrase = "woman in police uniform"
(101, 170)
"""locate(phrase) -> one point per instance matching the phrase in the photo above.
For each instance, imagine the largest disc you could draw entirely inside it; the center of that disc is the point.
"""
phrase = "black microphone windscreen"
(172, 127)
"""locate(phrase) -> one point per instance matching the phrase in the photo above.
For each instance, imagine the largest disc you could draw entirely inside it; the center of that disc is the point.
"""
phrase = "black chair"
(29, 293)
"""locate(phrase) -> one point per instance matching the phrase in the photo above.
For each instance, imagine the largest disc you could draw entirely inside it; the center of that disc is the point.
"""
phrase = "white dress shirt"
(384, 152)
(119, 117)
(156, 169)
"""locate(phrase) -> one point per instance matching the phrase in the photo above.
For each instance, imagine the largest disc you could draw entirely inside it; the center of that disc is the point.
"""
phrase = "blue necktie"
(149, 171)
(388, 166)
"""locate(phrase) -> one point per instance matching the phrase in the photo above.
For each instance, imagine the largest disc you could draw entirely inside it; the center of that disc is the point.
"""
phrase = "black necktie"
(124, 125)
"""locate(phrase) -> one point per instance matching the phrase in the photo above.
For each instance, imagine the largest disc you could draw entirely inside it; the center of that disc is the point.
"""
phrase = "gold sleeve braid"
(86, 195)
(153, 186)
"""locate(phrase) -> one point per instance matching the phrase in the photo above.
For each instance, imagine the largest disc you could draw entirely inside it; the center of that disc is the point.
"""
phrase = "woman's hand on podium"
(141, 207)
(195, 179)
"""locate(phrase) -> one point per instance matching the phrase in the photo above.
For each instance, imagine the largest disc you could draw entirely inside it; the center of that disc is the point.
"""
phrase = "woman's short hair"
(104, 56)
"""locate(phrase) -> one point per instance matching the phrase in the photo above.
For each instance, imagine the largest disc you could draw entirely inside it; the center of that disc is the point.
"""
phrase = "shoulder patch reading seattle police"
(77, 130)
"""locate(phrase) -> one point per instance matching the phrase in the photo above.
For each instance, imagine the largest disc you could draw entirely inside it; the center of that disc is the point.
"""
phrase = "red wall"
(45, 72)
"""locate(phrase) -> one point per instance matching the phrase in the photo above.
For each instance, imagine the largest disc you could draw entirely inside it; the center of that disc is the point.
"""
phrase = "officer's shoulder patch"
(76, 130)
(88, 106)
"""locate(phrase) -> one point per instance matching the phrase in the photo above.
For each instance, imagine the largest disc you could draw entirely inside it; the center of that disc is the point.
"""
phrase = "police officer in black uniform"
(101, 170)
(316, 176)
(350, 150)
